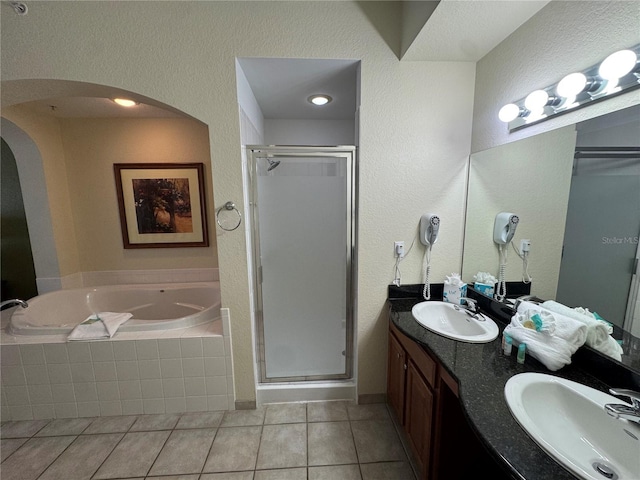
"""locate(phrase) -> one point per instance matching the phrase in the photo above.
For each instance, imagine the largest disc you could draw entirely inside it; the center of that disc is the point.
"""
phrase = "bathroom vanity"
(448, 398)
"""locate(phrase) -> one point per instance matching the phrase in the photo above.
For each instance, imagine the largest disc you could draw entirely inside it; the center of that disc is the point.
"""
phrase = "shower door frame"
(255, 152)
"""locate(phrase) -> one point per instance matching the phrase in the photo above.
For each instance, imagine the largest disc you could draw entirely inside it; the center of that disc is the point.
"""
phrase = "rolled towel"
(552, 350)
(566, 327)
(99, 325)
(598, 331)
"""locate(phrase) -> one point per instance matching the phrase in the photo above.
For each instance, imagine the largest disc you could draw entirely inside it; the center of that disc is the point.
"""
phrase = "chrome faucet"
(471, 304)
(470, 307)
(15, 301)
(627, 412)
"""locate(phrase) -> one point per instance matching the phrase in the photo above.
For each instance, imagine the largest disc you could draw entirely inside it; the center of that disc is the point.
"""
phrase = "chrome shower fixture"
(272, 164)
(19, 7)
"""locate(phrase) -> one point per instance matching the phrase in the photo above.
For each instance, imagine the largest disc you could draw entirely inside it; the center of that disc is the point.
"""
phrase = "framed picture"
(162, 204)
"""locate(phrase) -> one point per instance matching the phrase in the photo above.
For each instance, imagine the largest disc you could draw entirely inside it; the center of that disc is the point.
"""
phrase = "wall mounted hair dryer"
(429, 228)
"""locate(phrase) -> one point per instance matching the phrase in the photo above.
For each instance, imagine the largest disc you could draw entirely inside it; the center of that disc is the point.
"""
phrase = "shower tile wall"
(126, 377)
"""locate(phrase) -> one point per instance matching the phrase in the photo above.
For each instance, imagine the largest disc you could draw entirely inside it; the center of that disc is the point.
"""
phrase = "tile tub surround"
(276, 442)
(187, 370)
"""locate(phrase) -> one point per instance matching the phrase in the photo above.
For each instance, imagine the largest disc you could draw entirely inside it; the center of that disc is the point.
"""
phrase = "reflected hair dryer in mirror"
(504, 227)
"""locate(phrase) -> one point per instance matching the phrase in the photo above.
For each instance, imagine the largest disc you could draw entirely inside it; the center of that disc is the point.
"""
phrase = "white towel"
(598, 332)
(566, 327)
(553, 350)
(99, 325)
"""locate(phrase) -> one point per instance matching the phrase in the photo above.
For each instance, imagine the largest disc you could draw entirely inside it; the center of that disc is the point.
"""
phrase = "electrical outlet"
(525, 246)
(398, 249)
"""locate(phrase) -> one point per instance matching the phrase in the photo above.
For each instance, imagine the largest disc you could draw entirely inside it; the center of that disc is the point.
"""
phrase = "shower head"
(272, 164)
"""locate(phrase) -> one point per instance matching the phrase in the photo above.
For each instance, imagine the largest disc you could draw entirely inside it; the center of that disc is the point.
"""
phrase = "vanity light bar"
(618, 73)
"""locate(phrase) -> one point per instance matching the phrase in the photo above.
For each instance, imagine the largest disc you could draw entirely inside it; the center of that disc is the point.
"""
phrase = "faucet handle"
(633, 395)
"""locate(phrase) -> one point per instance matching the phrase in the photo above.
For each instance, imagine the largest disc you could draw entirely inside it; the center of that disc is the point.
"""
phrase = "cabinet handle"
(398, 355)
(405, 366)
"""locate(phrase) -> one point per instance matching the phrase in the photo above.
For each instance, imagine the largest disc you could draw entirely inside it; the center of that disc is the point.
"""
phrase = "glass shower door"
(303, 236)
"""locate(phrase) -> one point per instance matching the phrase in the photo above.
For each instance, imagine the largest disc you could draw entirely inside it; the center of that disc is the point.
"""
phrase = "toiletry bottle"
(522, 348)
(507, 343)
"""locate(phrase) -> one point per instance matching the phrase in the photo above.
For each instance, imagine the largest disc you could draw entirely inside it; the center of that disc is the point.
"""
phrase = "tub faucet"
(617, 410)
(11, 303)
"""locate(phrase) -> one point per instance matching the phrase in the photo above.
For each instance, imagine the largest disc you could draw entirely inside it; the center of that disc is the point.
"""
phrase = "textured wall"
(415, 123)
(563, 37)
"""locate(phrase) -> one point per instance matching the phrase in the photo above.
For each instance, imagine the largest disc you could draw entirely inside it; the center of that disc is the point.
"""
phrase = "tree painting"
(163, 205)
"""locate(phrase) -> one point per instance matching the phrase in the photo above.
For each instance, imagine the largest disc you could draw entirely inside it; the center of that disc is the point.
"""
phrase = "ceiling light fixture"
(618, 73)
(125, 102)
(319, 99)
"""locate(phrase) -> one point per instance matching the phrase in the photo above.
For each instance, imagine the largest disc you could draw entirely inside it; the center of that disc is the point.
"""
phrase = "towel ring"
(228, 207)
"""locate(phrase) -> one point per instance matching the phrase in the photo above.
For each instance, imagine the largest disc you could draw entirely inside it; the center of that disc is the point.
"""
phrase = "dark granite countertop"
(482, 371)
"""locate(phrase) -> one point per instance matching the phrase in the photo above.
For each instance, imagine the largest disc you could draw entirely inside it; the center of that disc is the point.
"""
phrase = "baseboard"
(246, 405)
(369, 398)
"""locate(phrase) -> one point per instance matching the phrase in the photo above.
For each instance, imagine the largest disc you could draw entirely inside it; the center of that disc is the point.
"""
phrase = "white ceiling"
(458, 30)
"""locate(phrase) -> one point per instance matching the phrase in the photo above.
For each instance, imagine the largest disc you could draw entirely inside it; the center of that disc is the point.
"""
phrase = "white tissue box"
(454, 293)
(484, 288)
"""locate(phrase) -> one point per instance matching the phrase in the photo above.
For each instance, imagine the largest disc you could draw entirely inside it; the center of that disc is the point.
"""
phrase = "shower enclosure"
(303, 216)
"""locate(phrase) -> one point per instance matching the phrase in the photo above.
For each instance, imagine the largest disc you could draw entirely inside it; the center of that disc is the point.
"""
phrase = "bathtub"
(154, 307)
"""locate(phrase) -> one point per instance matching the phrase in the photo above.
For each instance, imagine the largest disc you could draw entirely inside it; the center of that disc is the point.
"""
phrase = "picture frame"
(162, 205)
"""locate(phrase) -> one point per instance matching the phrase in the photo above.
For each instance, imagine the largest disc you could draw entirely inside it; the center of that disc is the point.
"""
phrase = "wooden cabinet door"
(419, 417)
(396, 373)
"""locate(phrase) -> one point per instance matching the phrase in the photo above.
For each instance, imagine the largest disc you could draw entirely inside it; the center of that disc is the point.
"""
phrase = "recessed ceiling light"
(125, 102)
(319, 99)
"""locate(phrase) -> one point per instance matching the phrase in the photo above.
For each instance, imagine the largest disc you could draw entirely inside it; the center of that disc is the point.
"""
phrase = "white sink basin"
(568, 420)
(452, 321)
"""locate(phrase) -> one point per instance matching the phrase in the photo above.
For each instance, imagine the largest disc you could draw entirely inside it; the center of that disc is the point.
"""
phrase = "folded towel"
(598, 331)
(99, 325)
(553, 347)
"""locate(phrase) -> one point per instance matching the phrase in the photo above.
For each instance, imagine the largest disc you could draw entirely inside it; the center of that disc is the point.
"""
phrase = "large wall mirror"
(576, 191)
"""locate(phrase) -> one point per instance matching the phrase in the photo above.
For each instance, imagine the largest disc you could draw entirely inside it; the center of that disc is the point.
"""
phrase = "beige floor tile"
(335, 472)
(65, 426)
(375, 411)
(200, 420)
(10, 445)
(185, 452)
(283, 446)
(175, 477)
(119, 424)
(377, 441)
(83, 457)
(22, 428)
(387, 471)
(146, 423)
(243, 418)
(133, 456)
(286, 413)
(285, 474)
(228, 476)
(331, 443)
(30, 460)
(327, 411)
(234, 449)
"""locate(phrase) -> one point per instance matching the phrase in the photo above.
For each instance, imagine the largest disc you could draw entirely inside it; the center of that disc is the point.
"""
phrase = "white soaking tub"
(154, 307)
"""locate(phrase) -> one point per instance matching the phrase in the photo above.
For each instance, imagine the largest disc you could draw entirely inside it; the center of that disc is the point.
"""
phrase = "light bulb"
(509, 112)
(125, 102)
(319, 99)
(618, 64)
(572, 85)
(536, 100)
